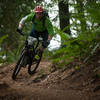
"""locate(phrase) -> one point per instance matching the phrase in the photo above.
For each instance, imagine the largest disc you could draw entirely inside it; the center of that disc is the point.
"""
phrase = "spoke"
(17, 69)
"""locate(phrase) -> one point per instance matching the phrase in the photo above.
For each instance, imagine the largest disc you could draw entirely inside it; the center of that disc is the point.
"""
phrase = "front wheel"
(18, 65)
(34, 63)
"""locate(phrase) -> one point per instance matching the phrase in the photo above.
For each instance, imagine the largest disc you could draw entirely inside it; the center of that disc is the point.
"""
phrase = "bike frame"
(30, 51)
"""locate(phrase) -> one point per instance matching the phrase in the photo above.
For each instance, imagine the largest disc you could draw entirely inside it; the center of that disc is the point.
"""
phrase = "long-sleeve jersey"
(38, 25)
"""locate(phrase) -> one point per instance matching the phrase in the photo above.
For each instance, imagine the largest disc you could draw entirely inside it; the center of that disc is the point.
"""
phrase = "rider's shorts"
(37, 34)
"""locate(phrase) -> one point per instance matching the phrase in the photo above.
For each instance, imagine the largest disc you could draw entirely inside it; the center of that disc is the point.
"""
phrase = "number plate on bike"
(31, 40)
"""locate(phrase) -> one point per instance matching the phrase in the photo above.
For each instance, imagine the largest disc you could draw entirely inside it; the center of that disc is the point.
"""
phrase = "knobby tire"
(30, 70)
(18, 66)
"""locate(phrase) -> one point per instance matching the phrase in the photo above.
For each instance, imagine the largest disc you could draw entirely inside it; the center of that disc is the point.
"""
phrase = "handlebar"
(22, 33)
(35, 39)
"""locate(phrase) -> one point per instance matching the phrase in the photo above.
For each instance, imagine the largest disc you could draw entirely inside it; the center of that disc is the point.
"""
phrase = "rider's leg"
(44, 35)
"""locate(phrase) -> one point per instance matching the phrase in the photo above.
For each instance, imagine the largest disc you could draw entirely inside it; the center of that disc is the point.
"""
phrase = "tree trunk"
(64, 16)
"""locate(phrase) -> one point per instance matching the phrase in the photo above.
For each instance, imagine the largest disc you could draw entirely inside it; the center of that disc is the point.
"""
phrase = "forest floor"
(59, 84)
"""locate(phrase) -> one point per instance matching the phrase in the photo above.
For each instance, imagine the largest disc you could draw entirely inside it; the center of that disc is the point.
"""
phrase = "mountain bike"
(29, 56)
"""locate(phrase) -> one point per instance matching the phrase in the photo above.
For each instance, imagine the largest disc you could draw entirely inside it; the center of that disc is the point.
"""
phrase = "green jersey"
(38, 25)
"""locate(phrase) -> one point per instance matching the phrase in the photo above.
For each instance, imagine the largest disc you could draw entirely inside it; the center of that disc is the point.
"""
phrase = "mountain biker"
(41, 25)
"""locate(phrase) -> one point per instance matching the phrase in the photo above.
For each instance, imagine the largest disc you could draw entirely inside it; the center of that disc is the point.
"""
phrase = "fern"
(2, 38)
(82, 46)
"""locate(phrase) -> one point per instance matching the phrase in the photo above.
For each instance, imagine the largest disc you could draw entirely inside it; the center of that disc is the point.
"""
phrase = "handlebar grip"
(20, 31)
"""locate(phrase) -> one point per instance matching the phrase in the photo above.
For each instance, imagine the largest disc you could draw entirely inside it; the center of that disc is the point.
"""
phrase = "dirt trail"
(44, 85)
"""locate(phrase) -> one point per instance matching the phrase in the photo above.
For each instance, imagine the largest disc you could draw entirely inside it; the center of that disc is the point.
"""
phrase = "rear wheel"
(18, 65)
(34, 63)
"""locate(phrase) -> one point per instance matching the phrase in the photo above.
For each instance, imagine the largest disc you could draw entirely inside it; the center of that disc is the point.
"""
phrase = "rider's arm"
(49, 28)
(25, 19)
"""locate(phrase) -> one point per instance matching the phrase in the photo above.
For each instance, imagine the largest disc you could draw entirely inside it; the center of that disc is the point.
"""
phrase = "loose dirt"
(60, 84)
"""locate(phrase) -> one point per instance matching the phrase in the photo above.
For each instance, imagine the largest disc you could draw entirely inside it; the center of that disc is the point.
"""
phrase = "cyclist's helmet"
(38, 9)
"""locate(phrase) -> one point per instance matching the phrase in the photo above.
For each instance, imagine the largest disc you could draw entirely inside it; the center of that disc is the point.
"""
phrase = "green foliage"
(2, 60)
(10, 15)
(82, 46)
(2, 38)
(12, 55)
(86, 23)
(93, 10)
(2, 52)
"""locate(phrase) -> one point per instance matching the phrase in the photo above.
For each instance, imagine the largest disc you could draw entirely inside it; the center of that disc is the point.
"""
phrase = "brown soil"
(60, 84)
